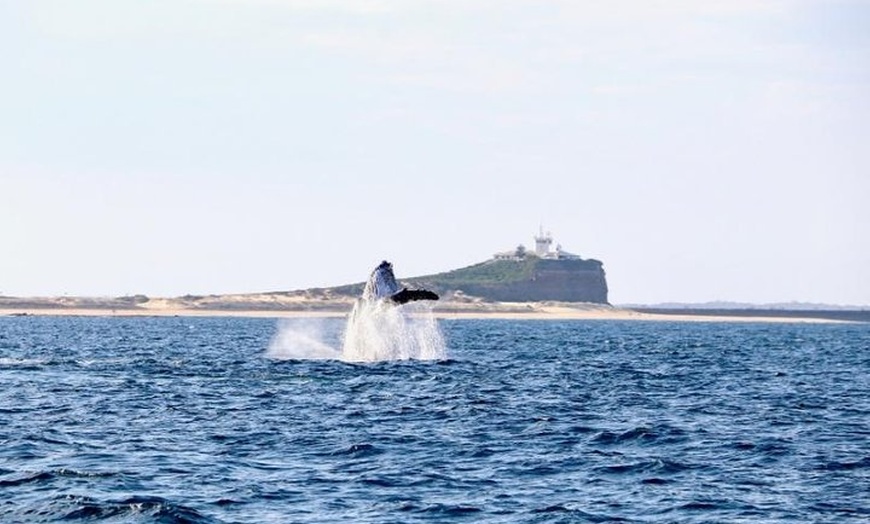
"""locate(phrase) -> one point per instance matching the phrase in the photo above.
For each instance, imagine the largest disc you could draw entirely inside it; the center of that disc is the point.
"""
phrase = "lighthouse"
(542, 243)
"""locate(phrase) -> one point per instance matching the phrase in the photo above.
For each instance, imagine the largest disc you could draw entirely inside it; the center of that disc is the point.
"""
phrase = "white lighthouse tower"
(542, 243)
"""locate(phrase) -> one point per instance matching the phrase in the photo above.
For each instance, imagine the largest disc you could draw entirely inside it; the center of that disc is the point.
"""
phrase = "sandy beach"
(493, 311)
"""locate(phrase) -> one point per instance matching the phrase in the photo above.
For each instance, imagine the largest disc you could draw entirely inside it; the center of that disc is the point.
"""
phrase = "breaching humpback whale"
(382, 285)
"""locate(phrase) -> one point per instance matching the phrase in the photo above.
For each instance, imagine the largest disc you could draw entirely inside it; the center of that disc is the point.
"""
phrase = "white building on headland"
(543, 243)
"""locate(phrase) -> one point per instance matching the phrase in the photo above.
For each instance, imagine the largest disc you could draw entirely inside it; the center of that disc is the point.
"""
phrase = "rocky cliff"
(527, 279)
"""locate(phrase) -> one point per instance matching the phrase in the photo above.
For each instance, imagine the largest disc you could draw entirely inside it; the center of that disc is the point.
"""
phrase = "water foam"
(375, 331)
(301, 339)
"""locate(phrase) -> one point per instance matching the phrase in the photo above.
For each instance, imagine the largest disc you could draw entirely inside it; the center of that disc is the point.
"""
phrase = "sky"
(703, 151)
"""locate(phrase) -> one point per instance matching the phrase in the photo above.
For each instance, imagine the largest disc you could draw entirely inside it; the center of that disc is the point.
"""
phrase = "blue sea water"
(193, 420)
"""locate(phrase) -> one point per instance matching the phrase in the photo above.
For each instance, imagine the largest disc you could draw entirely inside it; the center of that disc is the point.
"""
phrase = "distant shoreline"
(506, 311)
(834, 315)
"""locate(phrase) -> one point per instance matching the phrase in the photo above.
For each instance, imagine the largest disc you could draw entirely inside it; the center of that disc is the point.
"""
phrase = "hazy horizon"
(703, 151)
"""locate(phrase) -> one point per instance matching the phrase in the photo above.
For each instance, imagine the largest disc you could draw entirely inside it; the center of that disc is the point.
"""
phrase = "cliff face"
(559, 280)
(531, 279)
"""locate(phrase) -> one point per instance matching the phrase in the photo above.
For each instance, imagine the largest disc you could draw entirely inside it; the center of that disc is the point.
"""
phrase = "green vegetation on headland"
(485, 285)
(520, 279)
(489, 272)
(524, 279)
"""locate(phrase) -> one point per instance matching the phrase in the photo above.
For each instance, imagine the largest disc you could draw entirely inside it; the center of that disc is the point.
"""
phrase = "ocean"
(241, 420)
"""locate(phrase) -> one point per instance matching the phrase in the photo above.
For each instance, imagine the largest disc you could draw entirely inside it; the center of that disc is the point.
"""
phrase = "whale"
(383, 325)
(382, 286)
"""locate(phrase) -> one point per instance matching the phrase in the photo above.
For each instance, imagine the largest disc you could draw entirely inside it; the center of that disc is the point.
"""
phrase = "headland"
(520, 283)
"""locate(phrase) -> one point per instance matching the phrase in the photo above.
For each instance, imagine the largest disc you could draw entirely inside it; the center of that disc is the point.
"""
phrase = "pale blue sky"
(703, 150)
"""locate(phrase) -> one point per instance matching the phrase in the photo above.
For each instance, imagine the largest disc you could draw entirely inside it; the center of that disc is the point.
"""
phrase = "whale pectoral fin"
(409, 295)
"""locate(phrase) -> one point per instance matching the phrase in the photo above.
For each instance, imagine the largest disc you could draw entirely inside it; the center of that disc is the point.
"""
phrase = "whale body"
(382, 285)
(379, 327)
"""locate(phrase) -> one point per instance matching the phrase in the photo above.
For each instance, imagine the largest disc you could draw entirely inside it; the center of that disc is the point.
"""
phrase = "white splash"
(375, 331)
(301, 339)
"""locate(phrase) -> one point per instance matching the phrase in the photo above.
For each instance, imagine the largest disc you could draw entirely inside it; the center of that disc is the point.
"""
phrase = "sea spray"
(377, 330)
(301, 339)
(374, 331)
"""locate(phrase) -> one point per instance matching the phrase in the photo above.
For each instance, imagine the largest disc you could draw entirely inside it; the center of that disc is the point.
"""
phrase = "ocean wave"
(136, 508)
(657, 434)
(145, 420)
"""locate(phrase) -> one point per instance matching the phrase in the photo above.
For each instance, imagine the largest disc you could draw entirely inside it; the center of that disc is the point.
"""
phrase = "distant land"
(784, 310)
(834, 313)
(518, 275)
(787, 306)
(544, 283)
(311, 303)
(509, 281)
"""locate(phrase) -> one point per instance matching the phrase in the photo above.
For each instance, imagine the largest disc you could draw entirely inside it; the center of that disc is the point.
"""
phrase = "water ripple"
(189, 420)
